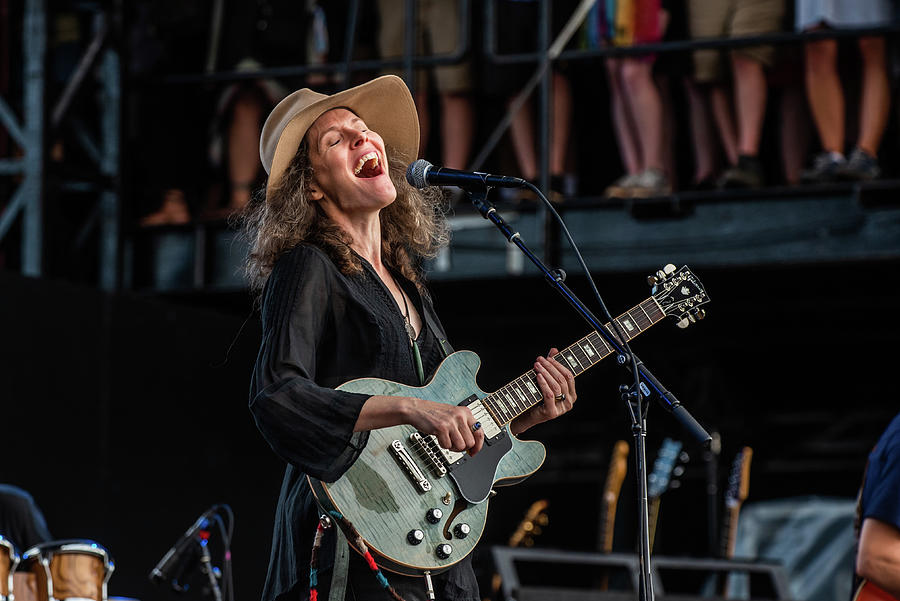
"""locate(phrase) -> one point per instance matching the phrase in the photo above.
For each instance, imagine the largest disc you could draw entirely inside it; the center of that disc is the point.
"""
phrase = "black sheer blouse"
(321, 329)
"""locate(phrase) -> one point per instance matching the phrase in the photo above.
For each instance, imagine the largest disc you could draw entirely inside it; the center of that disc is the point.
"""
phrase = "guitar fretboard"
(523, 393)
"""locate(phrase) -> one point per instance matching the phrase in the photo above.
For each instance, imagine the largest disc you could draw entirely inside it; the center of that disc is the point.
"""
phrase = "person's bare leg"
(824, 93)
(703, 135)
(661, 82)
(561, 123)
(794, 132)
(457, 125)
(629, 150)
(646, 107)
(521, 131)
(750, 93)
(243, 148)
(723, 114)
(875, 101)
(421, 99)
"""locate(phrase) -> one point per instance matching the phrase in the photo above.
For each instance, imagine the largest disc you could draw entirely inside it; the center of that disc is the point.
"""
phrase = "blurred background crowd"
(200, 77)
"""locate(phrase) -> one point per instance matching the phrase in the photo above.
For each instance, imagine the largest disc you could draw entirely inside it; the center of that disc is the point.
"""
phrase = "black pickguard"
(474, 476)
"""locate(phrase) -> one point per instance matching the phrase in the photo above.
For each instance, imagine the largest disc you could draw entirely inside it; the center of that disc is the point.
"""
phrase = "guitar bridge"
(409, 465)
(428, 450)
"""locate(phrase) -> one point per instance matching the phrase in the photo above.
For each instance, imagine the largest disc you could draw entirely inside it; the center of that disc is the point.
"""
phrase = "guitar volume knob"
(443, 550)
(434, 515)
(415, 537)
(461, 530)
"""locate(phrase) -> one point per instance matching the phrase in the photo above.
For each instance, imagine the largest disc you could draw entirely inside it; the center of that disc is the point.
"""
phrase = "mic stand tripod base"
(206, 566)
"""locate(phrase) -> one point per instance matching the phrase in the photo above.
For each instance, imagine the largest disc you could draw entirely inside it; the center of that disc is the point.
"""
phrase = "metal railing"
(32, 133)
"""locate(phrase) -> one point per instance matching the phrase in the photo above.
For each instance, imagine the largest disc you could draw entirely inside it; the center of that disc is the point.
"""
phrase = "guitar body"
(420, 508)
(378, 492)
(869, 592)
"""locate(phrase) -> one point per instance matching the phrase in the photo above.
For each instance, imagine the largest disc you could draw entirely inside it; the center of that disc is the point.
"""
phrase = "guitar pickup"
(488, 425)
(409, 465)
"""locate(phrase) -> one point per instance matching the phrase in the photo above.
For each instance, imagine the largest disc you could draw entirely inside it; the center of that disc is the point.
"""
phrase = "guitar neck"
(653, 515)
(607, 524)
(520, 395)
(729, 531)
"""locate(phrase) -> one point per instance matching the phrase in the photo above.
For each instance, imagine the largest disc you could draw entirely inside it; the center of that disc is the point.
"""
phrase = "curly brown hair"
(413, 227)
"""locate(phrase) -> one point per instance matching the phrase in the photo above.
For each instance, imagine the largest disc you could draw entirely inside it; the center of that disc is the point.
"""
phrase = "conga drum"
(73, 570)
(8, 561)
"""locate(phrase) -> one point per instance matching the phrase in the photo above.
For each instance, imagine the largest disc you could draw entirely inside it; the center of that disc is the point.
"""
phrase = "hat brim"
(384, 103)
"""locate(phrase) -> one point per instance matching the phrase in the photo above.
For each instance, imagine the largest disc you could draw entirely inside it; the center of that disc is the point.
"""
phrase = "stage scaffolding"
(40, 188)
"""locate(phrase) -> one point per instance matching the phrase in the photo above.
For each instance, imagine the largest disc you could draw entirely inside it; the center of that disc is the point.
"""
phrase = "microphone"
(172, 565)
(421, 174)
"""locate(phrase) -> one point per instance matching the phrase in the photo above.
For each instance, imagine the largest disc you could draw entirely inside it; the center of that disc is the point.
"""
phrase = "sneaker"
(748, 173)
(861, 166)
(650, 183)
(827, 167)
(621, 188)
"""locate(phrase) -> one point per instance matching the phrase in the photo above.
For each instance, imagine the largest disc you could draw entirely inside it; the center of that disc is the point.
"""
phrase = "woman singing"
(336, 251)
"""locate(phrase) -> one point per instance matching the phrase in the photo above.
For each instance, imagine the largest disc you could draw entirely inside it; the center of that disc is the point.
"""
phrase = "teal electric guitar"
(421, 508)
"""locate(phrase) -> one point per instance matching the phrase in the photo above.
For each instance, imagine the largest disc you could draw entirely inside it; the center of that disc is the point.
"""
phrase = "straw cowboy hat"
(384, 103)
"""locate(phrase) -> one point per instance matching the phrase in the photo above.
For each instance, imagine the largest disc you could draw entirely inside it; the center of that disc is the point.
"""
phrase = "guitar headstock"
(531, 525)
(679, 294)
(663, 468)
(739, 479)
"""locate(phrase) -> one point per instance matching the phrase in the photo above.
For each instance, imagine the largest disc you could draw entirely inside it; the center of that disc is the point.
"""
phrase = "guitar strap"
(438, 331)
(341, 565)
(342, 547)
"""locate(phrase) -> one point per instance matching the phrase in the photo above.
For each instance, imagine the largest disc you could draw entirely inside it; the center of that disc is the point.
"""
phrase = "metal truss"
(93, 126)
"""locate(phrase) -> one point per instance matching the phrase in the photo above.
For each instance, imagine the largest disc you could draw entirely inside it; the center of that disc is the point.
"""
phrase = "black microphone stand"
(210, 571)
(636, 395)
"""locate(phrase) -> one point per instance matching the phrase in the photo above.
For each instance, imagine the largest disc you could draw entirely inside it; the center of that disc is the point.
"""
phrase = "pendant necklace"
(411, 332)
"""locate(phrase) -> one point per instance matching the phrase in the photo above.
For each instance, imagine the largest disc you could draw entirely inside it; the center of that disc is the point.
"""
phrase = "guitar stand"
(646, 384)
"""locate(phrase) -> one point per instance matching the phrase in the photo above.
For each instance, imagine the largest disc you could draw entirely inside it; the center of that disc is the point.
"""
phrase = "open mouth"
(368, 166)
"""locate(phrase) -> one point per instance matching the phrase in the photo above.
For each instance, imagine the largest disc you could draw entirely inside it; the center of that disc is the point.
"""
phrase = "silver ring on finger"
(476, 426)
(560, 397)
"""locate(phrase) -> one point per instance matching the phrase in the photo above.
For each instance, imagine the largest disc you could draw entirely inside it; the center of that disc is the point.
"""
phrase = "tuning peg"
(683, 323)
(669, 269)
(658, 277)
(700, 313)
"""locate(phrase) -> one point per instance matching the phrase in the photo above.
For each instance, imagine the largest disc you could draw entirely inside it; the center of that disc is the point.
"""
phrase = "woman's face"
(350, 168)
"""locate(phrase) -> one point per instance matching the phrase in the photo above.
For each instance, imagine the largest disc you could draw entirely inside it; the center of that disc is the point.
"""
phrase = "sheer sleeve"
(306, 423)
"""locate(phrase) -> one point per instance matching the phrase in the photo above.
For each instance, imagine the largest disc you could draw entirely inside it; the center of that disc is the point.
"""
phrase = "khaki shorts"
(439, 27)
(732, 18)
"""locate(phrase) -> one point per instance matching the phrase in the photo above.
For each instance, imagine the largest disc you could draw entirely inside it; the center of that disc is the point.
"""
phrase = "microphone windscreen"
(415, 173)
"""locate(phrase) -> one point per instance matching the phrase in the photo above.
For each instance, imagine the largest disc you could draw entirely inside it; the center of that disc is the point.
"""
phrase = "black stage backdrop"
(126, 417)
